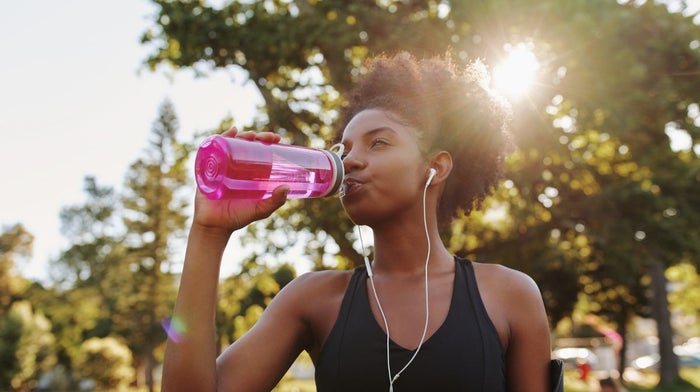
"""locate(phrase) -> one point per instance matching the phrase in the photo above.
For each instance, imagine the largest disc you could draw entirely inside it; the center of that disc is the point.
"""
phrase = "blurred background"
(102, 105)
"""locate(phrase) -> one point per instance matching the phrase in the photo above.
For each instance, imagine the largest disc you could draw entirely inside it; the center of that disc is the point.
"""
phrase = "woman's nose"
(351, 162)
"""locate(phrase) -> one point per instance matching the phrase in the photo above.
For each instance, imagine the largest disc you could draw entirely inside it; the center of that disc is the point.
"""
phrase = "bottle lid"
(336, 152)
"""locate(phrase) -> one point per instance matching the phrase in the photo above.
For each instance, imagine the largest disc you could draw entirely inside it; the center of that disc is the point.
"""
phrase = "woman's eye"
(377, 142)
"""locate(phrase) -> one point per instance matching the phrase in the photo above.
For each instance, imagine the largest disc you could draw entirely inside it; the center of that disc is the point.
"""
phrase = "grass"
(692, 376)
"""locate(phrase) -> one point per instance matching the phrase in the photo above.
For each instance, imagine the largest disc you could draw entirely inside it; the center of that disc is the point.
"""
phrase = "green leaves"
(594, 192)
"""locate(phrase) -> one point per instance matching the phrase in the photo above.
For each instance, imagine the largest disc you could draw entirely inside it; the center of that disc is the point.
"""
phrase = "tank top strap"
(358, 276)
(467, 268)
(493, 353)
(329, 357)
(467, 273)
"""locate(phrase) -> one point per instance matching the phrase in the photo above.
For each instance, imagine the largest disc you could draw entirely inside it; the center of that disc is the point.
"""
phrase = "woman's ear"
(442, 163)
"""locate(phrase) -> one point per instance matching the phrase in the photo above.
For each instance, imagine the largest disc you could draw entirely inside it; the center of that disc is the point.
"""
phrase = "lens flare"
(175, 329)
(515, 76)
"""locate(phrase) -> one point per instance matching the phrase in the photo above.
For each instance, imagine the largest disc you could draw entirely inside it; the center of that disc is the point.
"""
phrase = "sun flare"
(515, 75)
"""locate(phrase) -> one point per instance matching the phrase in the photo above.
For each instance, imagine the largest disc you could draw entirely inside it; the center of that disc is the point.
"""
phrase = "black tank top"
(464, 354)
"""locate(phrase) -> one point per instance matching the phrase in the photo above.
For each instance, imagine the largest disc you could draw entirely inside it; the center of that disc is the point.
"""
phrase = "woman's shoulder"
(512, 292)
(312, 294)
(319, 283)
(504, 279)
(513, 301)
(316, 298)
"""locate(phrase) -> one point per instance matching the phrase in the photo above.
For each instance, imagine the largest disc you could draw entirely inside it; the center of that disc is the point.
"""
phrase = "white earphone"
(431, 174)
(393, 377)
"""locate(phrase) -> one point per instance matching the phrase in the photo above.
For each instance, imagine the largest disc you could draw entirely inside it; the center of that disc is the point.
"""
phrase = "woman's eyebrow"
(375, 131)
(371, 132)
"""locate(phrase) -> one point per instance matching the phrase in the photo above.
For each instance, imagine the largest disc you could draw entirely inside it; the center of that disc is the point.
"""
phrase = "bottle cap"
(335, 152)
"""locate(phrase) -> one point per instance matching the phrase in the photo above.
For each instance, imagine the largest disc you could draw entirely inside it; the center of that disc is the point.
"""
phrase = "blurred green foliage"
(594, 202)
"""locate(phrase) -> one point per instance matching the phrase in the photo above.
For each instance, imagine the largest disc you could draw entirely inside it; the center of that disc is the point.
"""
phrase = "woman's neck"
(402, 250)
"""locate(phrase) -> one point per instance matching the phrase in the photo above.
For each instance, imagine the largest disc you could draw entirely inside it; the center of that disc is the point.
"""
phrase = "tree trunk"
(622, 354)
(669, 366)
(150, 366)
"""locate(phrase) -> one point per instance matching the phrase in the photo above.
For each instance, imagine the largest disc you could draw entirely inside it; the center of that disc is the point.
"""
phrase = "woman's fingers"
(231, 132)
(267, 137)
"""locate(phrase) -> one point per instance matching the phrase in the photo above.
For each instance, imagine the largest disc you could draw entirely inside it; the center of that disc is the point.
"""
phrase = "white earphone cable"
(379, 305)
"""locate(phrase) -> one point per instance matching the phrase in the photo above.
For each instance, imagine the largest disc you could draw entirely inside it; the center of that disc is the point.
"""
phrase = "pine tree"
(154, 216)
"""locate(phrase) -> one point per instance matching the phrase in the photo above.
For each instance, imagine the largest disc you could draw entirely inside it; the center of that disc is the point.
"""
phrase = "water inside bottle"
(250, 178)
(226, 168)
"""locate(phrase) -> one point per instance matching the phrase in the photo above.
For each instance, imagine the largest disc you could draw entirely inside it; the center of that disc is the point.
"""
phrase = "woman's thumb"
(276, 200)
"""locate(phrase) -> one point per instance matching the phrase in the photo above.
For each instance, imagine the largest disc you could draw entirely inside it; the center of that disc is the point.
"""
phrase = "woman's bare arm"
(529, 347)
(190, 355)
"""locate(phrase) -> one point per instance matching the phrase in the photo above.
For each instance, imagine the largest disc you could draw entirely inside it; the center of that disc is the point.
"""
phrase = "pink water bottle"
(238, 168)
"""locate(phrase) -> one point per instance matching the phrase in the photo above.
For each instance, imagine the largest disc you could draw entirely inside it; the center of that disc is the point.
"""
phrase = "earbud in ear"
(431, 174)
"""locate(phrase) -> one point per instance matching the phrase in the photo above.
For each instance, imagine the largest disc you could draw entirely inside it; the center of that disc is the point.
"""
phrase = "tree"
(107, 362)
(26, 342)
(301, 54)
(85, 273)
(600, 184)
(118, 265)
(155, 213)
(15, 244)
(26, 347)
(75, 314)
(95, 236)
(595, 191)
(616, 187)
(685, 297)
(244, 295)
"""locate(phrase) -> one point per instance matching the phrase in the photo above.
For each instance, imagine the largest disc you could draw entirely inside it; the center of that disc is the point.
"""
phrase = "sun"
(515, 75)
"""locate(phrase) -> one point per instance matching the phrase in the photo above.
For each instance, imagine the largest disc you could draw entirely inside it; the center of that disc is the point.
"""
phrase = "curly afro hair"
(454, 110)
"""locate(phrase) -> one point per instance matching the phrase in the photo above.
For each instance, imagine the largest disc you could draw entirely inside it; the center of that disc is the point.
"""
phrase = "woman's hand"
(231, 214)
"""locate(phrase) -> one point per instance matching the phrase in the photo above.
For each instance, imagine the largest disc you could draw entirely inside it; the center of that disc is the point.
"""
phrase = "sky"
(77, 100)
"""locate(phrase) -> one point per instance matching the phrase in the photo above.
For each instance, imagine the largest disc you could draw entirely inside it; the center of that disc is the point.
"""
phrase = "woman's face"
(385, 170)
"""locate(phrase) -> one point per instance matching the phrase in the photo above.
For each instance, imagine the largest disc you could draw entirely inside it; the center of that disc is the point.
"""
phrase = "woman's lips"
(349, 186)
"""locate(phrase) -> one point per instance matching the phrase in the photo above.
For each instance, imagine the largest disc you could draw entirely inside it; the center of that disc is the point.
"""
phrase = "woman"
(422, 140)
